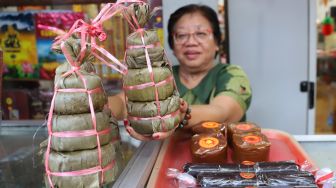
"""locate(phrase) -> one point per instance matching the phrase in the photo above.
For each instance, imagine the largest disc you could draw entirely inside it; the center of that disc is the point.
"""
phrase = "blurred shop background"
(286, 47)
(29, 63)
(326, 68)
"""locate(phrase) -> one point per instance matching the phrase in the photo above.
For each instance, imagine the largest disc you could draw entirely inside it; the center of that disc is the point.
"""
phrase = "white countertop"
(321, 149)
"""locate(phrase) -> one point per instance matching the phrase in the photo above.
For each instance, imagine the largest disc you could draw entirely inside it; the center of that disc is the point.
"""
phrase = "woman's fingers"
(183, 106)
(163, 135)
(136, 135)
(183, 109)
(159, 135)
(155, 136)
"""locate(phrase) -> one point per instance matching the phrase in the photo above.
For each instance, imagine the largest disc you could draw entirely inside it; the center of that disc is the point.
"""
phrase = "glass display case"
(21, 162)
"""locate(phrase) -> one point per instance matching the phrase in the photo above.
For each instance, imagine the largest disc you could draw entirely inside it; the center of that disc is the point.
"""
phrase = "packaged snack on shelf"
(18, 42)
(49, 60)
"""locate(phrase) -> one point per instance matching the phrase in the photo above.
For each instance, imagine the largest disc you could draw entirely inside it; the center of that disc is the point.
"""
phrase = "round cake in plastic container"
(253, 147)
(209, 148)
(240, 128)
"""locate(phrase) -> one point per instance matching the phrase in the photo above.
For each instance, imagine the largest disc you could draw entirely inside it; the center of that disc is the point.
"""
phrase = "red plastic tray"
(175, 152)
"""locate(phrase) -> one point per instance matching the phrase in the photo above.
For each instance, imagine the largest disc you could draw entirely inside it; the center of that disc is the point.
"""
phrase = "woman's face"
(194, 43)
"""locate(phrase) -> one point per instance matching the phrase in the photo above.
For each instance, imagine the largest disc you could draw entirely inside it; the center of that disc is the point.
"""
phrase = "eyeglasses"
(200, 36)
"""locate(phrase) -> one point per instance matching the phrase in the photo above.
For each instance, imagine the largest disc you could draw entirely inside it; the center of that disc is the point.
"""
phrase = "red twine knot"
(96, 31)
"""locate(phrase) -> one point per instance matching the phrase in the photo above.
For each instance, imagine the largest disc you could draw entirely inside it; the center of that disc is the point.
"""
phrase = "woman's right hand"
(155, 136)
(158, 135)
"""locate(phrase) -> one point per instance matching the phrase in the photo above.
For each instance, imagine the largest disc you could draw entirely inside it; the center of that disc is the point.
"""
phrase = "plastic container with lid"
(252, 146)
(209, 148)
(240, 128)
(209, 127)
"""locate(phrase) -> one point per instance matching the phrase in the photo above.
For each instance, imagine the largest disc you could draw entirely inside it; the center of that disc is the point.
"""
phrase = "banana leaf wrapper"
(136, 58)
(149, 109)
(140, 76)
(75, 81)
(73, 47)
(78, 102)
(150, 37)
(86, 66)
(140, 11)
(80, 122)
(79, 160)
(116, 142)
(85, 181)
(148, 127)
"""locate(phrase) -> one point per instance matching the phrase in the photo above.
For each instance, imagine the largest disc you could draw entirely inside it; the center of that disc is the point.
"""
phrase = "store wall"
(275, 42)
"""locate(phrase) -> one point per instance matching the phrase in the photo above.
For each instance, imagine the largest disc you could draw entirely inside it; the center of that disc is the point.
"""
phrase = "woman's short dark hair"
(207, 12)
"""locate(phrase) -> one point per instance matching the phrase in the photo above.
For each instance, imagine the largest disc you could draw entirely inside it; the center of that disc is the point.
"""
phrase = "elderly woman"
(211, 91)
(214, 91)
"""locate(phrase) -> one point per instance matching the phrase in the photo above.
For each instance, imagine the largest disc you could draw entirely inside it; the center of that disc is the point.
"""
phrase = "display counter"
(321, 149)
(21, 164)
(175, 153)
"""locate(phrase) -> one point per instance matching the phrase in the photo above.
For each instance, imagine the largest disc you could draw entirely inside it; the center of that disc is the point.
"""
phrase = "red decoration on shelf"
(327, 26)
